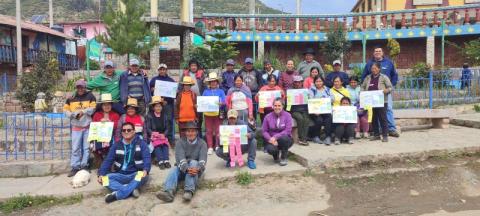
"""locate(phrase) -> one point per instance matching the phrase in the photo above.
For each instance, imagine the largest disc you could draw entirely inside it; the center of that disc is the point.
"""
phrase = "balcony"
(8, 54)
(459, 20)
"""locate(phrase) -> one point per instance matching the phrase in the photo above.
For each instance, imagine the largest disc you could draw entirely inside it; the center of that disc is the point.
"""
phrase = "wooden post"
(455, 12)
(292, 24)
(403, 23)
(477, 15)
(384, 21)
(364, 22)
(414, 19)
(435, 18)
(393, 22)
(327, 24)
(284, 24)
(345, 23)
(274, 24)
(467, 17)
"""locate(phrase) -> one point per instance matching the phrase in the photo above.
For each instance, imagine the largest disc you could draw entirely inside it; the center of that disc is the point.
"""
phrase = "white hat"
(162, 66)
(337, 62)
(134, 62)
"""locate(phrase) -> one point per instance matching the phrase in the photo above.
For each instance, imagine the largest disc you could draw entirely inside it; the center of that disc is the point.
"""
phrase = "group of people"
(143, 123)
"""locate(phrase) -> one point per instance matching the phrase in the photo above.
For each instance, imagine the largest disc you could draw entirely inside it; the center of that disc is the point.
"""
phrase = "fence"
(7, 83)
(436, 89)
(34, 136)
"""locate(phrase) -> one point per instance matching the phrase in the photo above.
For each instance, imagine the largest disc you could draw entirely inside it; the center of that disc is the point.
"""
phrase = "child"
(213, 119)
(362, 126)
(156, 126)
(344, 131)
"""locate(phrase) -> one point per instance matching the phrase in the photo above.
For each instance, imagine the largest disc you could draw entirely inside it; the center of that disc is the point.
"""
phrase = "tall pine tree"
(126, 32)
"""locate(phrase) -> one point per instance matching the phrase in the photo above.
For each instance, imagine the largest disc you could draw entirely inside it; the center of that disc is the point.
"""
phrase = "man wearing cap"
(108, 82)
(251, 148)
(79, 109)
(169, 102)
(197, 75)
(388, 68)
(191, 159)
(337, 67)
(228, 76)
(134, 84)
(252, 79)
(307, 64)
(267, 71)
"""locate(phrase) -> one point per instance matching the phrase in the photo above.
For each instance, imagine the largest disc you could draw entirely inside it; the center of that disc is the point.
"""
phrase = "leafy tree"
(126, 32)
(336, 44)
(39, 80)
(471, 51)
(393, 48)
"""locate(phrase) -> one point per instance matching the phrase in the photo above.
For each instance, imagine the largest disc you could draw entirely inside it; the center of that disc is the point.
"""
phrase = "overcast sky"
(313, 6)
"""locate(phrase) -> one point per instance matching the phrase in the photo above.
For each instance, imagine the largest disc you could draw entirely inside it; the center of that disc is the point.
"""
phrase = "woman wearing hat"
(133, 116)
(185, 105)
(105, 114)
(271, 86)
(156, 127)
(213, 119)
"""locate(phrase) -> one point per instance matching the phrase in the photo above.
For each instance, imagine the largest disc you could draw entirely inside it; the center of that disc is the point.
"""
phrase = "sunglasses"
(127, 130)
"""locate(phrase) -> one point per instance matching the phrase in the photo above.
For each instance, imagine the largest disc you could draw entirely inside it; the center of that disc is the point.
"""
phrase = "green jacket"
(106, 85)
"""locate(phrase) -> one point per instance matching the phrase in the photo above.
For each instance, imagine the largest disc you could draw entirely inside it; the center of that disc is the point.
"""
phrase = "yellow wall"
(456, 2)
(396, 4)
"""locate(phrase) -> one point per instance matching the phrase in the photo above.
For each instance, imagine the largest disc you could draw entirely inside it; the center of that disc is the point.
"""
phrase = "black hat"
(309, 51)
(190, 125)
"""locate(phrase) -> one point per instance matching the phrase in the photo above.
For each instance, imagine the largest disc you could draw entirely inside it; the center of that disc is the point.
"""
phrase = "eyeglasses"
(127, 130)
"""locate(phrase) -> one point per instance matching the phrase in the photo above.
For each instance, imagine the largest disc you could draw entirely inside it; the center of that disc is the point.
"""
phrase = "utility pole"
(50, 12)
(299, 11)
(251, 10)
(19, 39)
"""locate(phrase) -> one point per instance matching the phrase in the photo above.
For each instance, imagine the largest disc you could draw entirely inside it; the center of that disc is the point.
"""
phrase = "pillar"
(185, 10)
(261, 49)
(155, 52)
(185, 41)
(430, 50)
(153, 8)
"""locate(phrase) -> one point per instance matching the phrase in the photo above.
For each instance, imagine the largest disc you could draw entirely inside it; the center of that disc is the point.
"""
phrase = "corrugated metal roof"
(10, 21)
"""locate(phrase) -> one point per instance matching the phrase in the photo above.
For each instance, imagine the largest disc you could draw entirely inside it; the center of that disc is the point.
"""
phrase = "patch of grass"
(343, 183)
(25, 201)
(308, 173)
(476, 107)
(244, 178)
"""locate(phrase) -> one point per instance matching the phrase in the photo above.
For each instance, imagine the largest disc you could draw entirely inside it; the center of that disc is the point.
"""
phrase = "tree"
(126, 32)
(336, 44)
(393, 48)
(471, 51)
(39, 80)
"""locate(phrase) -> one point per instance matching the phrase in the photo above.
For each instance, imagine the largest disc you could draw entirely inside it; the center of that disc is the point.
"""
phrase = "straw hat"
(58, 94)
(187, 80)
(105, 98)
(156, 100)
(132, 102)
(212, 77)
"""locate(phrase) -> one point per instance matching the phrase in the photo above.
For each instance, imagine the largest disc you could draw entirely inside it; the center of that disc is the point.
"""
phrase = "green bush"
(94, 65)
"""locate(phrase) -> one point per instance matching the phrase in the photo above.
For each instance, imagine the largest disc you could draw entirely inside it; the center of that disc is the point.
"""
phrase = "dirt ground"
(446, 187)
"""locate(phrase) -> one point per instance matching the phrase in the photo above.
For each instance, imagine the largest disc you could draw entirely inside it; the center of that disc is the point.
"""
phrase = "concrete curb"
(465, 123)
(33, 168)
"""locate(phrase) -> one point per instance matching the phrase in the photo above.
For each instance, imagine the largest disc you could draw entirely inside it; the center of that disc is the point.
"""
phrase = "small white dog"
(81, 179)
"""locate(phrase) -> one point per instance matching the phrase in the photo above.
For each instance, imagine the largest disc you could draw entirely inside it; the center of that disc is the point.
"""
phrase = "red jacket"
(113, 116)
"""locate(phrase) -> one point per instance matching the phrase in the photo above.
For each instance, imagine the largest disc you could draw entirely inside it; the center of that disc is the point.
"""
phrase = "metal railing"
(34, 136)
(65, 61)
(457, 15)
(438, 88)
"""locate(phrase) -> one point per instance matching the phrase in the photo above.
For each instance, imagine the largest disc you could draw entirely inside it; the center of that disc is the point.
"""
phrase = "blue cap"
(248, 60)
(108, 63)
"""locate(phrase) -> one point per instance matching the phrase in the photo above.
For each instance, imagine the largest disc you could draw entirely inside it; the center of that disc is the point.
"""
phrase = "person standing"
(378, 81)
(191, 159)
(186, 105)
(253, 79)
(213, 119)
(271, 86)
(79, 109)
(286, 78)
(167, 110)
(228, 76)
(300, 114)
(306, 65)
(466, 76)
(197, 75)
(308, 82)
(338, 91)
(134, 84)
(267, 71)
(239, 98)
(108, 82)
(387, 67)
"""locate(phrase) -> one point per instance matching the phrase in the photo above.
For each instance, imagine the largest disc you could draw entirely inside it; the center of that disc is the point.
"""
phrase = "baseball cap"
(248, 61)
(134, 62)
(230, 62)
(297, 78)
(108, 64)
(162, 66)
(337, 62)
(232, 114)
(80, 82)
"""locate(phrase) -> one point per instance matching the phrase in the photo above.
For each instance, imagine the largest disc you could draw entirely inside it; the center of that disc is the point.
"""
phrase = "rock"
(463, 201)
(414, 193)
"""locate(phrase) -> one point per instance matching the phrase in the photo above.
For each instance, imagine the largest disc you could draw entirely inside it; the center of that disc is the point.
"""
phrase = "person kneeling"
(251, 147)
(191, 159)
(131, 162)
(277, 132)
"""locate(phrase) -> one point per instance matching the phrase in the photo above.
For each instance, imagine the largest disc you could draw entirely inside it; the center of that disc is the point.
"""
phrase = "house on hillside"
(36, 40)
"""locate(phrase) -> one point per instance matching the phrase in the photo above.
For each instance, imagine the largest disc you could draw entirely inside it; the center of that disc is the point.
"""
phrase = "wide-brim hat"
(156, 100)
(212, 77)
(105, 98)
(309, 51)
(132, 102)
(187, 80)
(190, 125)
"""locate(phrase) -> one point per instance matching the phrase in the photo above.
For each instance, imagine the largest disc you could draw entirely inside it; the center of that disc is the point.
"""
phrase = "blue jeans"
(161, 152)
(80, 149)
(177, 175)
(390, 118)
(124, 184)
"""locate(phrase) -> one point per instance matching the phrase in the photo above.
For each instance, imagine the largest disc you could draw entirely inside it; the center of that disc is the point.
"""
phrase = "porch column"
(430, 50)
(261, 49)
(185, 41)
(155, 52)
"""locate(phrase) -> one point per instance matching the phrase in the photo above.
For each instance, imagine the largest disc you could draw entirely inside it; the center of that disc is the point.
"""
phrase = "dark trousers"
(284, 143)
(379, 119)
(161, 153)
(303, 122)
(266, 111)
(324, 120)
(168, 112)
(142, 107)
(344, 131)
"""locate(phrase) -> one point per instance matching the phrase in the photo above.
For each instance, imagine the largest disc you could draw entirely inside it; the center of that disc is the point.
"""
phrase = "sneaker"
(358, 135)
(166, 196)
(72, 172)
(375, 138)
(283, 162)
(251, 164)
(210, 151)
(317, 140)
(167, 164)
(365, 135)
(227, 164)
(337, 142)
(327, 141)
(350, 141)
(187, 196)
(161, 165)
(110, 197)
(275, 157)
(385, 139)
(393, 134)
(136, 193)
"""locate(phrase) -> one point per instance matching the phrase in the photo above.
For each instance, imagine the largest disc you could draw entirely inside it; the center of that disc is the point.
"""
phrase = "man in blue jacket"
(131, 161)
(388, 68)
(134, 84)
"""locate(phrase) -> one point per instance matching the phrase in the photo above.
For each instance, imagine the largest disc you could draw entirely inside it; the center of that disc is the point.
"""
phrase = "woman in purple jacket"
(277, 132)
